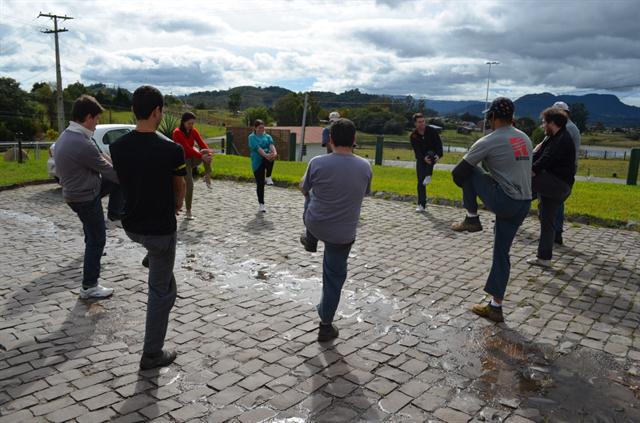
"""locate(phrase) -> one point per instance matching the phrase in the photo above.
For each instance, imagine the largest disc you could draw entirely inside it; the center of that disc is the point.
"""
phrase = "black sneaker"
(327, 332)
(558, 238)
(161, 359)
(307, 246)
(145, 261)
(113, 217)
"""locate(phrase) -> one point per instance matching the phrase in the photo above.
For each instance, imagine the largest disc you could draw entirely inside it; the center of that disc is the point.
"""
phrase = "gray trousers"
(161, 250)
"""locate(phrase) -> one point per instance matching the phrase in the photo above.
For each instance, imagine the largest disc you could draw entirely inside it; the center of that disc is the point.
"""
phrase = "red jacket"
(188, 142)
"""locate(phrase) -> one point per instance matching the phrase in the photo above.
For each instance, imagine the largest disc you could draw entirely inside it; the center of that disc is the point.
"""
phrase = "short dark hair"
(417, 116)
(83, 106)
(145, 100)
(257, 123)
(555, 115)
(343, 133)
(186, 116)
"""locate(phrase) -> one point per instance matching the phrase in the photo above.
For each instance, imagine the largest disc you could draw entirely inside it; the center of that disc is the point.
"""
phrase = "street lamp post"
(486, 101)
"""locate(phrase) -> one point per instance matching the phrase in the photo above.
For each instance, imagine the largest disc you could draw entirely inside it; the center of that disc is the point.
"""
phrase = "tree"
(18, 113)
(468, 117)
(537, 135)
(526, 125)
(253, 113)
(579, 115)
(43, 93)
(288, 110)
(122, 98)
(74, 91)
(234, 102)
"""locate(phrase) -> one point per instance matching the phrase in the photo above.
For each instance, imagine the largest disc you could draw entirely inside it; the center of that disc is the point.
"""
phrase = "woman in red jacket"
(187, 136)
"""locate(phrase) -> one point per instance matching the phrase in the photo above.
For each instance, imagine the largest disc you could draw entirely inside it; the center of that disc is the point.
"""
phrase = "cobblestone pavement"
(245, 327)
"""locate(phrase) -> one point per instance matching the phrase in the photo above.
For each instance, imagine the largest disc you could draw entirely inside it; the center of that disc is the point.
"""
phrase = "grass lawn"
(604, 168)
(208, 122)
(603, 204)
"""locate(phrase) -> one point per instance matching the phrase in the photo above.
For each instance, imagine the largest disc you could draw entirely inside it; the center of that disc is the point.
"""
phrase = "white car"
(103, 136)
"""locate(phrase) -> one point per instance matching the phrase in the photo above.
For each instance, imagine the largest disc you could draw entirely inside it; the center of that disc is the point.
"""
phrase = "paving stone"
(393, 402)
(189, 412)
(451, 416)
(429, 402)
(286, 399)
(18, 417)
(160, 408)
(67, 413)
(106, 414)
(257, 415)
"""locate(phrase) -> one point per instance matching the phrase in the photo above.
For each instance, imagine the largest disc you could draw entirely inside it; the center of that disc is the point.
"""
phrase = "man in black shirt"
(427, 147)
(151, 173)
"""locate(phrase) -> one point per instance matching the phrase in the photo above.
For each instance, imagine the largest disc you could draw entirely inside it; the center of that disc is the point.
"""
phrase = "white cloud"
(434, 49)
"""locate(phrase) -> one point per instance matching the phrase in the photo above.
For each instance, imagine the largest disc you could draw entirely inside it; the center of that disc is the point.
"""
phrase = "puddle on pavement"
(584, 385)
(94, 309)
(26, 223)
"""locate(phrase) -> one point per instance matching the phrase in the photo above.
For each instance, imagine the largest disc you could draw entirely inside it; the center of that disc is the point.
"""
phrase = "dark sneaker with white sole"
(161, 359)
(327, 332)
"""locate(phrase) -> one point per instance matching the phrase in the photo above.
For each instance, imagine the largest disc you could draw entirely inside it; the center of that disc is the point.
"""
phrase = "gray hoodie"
(79, 165)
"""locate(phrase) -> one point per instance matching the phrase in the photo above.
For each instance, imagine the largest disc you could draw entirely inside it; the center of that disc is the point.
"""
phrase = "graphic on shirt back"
(519, 147)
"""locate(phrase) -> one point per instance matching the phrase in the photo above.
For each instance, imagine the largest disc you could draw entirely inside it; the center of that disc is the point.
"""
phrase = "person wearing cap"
(333, 116)
(505, 191)
(574, 132)
(427, 148)
(554, 167)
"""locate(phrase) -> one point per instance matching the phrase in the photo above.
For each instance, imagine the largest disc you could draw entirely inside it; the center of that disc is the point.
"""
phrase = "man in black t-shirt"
(427, 147)
(151, 173)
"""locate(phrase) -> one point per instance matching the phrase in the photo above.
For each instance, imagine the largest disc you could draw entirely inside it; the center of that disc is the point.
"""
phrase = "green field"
(596, 203)
(209, 122)
(604, 168)
(605, 204)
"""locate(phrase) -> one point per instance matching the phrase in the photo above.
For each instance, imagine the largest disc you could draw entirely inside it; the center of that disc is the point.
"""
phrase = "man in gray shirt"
(86, 176)
(505, 190)
(339, 181)
(574, 132)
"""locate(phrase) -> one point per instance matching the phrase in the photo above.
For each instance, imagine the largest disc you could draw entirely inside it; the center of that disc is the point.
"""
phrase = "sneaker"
(539, 262)
(427, 181)
(268, 181)
(188, 215)
(327, 332)
(558, 238)
(145, 261)
(262, 208)
(469, 224)
(420, 208)
(489, 312)
(97, 291)
(161, 359)
(307, 246)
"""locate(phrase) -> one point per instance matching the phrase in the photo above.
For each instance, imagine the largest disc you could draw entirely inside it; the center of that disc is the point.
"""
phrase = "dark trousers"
(548, 209)
(334, 273)
(161, 250)
(422, 171)
(95, 236)
(312, 241)
(559, 223)
(263, 172)
(509, 213)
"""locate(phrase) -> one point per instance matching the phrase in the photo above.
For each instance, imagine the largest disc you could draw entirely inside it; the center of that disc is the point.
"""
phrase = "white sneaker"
(262, 208)
(427, 180)
(189, 216)
(420, 208)
(97, 291)
(269, 181)
(535, 261)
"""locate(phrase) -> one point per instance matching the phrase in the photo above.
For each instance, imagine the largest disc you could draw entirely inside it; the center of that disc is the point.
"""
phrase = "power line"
(55, 32)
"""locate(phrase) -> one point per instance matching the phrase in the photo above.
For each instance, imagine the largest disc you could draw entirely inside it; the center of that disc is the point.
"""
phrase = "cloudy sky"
(432, 49)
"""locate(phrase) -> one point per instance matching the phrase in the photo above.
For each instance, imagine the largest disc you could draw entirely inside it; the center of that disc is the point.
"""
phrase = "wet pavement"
(245, 327)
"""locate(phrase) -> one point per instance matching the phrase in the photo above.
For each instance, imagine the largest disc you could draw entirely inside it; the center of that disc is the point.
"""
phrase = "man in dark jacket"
(427, 147)
(553, 170)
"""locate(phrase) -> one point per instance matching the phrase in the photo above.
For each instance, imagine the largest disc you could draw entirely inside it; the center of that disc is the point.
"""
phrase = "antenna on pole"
(55, 32)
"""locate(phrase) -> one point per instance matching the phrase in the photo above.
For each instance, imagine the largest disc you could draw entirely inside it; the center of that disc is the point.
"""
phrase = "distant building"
(312, 134)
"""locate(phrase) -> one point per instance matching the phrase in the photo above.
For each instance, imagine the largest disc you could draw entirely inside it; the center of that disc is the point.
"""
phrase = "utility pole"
(304, 123)
(486, 101)
(55, 32)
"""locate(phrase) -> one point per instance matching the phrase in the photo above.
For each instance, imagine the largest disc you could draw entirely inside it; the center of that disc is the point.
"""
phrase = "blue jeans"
(161, 250)
(334, 273)
(422, 171)
(95, 237)
(509, 213)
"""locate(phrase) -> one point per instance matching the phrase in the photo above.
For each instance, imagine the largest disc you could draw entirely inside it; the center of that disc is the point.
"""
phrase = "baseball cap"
(561, 105)
(334, 116)
(501, 107)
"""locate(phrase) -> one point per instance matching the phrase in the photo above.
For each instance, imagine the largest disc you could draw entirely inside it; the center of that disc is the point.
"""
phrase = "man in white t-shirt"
(505, 190)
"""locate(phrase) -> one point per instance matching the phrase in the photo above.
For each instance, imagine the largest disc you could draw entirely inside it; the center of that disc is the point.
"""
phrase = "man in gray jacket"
(86, 176)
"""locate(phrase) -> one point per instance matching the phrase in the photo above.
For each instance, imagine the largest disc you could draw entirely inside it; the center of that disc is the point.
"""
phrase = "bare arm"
(180, 188)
